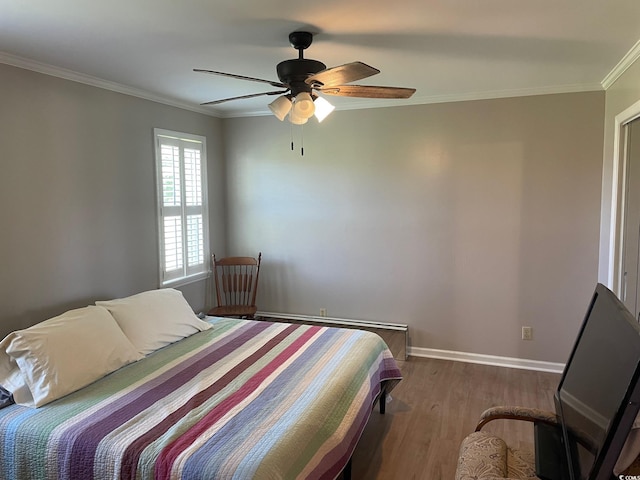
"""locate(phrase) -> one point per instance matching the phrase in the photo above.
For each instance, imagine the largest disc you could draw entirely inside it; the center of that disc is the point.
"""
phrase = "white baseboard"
(479, 358)
(482, 359)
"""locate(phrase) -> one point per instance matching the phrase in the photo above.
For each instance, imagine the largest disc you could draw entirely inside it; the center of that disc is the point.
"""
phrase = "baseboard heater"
(399, 351)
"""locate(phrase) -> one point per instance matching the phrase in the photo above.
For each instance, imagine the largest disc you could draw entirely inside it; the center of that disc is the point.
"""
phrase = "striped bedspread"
(244, 400)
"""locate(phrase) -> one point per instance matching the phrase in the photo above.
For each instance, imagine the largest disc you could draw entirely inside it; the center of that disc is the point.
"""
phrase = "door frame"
(618, 196)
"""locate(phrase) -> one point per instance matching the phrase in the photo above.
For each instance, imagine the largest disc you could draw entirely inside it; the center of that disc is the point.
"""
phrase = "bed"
(241, 399)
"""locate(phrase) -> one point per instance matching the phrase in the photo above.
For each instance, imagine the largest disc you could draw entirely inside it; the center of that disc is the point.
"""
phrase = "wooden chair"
(236, 284)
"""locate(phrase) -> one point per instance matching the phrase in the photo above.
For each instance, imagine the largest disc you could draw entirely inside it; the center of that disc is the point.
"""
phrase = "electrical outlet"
(323, 312)
(527, 333)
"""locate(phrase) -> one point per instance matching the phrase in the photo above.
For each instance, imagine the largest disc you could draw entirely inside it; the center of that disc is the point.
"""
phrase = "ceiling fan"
(301, 80)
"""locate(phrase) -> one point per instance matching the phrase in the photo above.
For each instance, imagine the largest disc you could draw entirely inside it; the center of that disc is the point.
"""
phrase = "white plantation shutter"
(173, 244)
(182, 206)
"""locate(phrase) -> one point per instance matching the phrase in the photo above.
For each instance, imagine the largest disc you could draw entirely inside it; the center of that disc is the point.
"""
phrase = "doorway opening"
(624, 250)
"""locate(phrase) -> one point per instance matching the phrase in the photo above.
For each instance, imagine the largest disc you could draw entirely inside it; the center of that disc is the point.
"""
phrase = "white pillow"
(11, 379)
(63, 354)
(154, 319)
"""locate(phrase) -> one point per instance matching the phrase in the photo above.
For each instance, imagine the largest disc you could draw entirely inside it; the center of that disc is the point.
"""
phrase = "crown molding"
(74, 76)
(488, 95)
(354, 104)
(629, 59)
(361, 104)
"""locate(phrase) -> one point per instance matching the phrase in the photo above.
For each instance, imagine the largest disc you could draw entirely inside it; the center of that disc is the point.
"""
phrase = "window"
(181, 181)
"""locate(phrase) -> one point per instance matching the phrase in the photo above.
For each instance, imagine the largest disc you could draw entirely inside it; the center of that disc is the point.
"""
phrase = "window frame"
(185, 274)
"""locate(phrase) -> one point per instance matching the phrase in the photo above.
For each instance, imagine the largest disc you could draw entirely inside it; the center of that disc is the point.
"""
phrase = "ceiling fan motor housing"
(294, 73)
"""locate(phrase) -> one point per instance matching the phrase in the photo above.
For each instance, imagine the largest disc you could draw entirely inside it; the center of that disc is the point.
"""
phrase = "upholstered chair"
(484, 456)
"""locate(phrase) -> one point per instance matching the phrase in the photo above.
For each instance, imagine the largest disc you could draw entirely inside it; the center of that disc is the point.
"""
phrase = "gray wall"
(77, 203)
(464, 220)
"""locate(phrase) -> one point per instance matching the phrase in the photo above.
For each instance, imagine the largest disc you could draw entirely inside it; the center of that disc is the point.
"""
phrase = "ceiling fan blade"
(368, 91)
(241, 77)
(252, 95)
(349, 72)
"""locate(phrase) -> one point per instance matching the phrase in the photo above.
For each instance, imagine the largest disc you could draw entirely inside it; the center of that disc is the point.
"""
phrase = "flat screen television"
(598, 397)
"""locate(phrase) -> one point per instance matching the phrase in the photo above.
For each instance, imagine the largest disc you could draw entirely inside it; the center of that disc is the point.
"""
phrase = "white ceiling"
(447, 50)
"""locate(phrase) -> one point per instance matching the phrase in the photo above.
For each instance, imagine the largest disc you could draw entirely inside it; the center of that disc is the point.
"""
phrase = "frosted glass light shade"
(323, 108)
(295, 119)
(280, 107)
(303, 105)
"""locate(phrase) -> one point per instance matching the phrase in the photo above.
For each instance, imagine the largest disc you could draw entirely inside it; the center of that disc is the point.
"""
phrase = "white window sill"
(178, 282)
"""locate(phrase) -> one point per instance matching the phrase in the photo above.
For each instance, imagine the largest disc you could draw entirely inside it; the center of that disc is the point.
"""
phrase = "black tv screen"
(597, 398)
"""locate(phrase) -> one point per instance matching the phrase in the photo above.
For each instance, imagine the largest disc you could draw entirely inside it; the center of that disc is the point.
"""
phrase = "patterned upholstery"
(517, 413)
(486, 457)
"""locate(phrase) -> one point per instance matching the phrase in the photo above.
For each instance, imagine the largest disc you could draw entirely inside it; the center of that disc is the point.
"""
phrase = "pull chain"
(301, 138)
(291, 132)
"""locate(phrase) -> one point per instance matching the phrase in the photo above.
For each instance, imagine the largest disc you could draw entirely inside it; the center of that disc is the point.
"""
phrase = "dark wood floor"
(434, 407)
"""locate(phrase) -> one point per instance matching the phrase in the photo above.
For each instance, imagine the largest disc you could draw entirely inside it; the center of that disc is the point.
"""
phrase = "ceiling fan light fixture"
(296, 119)
(303, 105)
(280, 107)
(323, 108)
